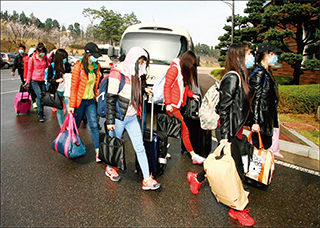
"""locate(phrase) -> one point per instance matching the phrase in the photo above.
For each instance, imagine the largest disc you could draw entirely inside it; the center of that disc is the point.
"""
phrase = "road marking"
(10, 79)
(301, 169)
(12, 91)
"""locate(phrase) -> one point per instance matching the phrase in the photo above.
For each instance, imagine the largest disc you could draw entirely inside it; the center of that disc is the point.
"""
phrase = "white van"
(104, 60)
(164, 42)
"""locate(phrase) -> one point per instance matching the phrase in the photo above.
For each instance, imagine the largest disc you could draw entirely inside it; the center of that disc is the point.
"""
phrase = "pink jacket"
(36, 68)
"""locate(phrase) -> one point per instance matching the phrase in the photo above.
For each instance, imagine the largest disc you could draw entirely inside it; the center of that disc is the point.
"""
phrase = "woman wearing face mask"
(181, 74)
(58, 81)
(266, 97)
(84, 90)
(37, 64)
(233, 108)
(133, 67)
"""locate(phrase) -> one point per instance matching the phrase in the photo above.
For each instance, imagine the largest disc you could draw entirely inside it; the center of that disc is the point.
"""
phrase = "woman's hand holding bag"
(68, 142)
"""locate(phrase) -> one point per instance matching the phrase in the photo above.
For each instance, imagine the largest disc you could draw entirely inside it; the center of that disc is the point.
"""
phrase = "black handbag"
(111, 150)
(169, 124)
(52, 100)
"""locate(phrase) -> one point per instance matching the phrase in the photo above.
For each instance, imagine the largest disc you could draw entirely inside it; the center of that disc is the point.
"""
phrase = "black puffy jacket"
(265, 101)
(233, 106)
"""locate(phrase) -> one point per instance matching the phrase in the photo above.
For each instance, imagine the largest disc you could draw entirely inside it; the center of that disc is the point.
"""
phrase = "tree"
(48, 24)
(17, 33)
(251, 24)
(55, 24)
(112, 24)
(225, 40)
(5, 15)
(92, 15)
(23, 18)
(14, 17)
(296, 20)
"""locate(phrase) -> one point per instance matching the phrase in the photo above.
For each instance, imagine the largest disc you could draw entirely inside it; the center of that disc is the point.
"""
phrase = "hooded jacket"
(265, 101)
(127, 68)
(36, 68)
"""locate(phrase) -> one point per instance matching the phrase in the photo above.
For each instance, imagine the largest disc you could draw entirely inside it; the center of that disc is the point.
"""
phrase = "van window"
(163, 48)
(103, 51)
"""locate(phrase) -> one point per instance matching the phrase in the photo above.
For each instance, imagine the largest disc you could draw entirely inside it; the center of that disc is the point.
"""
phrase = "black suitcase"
(156, 145)
(200, 139)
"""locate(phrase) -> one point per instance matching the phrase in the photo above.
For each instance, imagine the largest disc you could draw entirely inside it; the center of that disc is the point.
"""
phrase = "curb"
(298, 149)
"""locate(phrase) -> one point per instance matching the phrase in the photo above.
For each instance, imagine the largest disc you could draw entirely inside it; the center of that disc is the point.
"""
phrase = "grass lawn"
(304, 124)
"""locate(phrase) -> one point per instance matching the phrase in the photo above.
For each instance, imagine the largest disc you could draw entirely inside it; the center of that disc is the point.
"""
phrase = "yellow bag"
(261, 166)
(224, 179)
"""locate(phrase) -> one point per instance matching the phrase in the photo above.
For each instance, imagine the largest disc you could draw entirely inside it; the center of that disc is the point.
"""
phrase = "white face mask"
(249, 60)
(142, 68)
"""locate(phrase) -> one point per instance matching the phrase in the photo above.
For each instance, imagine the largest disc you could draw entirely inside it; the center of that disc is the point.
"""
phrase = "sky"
(203, 19)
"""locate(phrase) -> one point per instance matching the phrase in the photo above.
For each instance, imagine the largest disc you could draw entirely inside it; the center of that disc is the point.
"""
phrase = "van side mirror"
(111, 51)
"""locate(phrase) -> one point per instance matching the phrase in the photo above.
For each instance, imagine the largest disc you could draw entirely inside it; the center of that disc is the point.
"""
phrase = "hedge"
(293, 98)
(217, 73)
(281, 80)
(298, 99)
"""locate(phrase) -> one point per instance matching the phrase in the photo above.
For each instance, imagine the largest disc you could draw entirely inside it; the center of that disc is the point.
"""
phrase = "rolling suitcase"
(155, 143)
(22, 101)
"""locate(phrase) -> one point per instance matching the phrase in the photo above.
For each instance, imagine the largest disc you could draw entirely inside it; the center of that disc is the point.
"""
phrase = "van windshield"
(162, 48)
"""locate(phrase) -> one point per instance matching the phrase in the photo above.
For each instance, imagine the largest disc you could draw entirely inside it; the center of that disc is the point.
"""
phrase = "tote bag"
(111, 150)
(68, 142)
(260, 167)
(52, 100)
(169, 124)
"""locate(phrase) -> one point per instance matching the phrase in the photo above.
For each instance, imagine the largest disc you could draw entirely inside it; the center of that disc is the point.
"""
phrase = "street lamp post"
(232, 8)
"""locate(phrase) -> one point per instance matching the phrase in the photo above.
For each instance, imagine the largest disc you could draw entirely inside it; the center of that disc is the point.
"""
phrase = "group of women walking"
(243, 100)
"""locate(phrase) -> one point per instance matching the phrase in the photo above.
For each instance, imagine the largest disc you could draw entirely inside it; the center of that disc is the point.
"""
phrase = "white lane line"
(12, 91)
(10, 79)
(301, 169)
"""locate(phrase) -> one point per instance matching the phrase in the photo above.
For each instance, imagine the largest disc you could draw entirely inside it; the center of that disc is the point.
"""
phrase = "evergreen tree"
(298, 21)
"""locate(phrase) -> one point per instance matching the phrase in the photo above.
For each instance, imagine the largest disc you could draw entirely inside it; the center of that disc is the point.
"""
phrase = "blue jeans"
(90, 108)
(60, 115)
(38, 87)
(131, 124)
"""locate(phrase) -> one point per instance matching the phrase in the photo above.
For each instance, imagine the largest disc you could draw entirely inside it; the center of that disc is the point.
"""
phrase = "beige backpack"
(224, 179)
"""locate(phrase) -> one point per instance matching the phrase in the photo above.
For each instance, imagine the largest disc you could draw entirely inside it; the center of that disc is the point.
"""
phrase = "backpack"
(207, 112)
(157, 89)
(47, 83)
(102, 97)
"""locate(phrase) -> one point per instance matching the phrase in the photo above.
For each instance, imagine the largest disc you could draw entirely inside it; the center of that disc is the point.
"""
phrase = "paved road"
(40, 188)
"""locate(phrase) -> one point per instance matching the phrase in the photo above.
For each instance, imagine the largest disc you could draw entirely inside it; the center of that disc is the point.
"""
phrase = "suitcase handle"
(145, 97)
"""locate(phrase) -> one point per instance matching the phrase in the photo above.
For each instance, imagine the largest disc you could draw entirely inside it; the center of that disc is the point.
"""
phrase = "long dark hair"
(188, 64)
(85, 64)
(58, 62)
(235, 61)
(136, 83)
(41, 48)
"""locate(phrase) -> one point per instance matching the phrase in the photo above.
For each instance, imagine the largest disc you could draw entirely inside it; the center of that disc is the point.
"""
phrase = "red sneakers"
(194, 184)
(242, 216)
